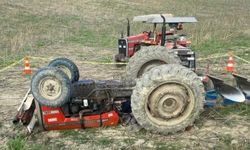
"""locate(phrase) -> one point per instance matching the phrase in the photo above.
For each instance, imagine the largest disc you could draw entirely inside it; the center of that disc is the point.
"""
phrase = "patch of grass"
(240, 109)
(42, 43)
(38, 147)
(224, 142)
(91, 131)
(225, 139)
(168, 146)
(17, 143)
(216, 45)
(89, 37)
(1, 124)
(83, 136)
(142, 133)
(70, 133)
(104, 141)
(129, 141)
(106, 59)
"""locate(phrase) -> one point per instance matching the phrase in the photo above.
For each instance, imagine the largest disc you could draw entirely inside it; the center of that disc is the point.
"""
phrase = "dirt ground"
(213, 130)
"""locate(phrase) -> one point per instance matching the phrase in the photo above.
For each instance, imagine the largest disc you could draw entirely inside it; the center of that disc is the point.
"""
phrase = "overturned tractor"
(166, 97)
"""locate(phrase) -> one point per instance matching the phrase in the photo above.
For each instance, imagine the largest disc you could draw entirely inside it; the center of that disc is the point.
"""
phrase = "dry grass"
(28, 26)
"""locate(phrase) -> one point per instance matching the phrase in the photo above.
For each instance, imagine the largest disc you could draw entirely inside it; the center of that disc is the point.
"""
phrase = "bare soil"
(212, 130)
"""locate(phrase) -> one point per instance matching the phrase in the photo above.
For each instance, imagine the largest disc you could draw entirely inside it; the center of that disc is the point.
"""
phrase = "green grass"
(106, 59)
(38, 147)
(215, 45)
(129, 141)
(226, 139)
(104, 141)
(80, 136)
(21, 142)
(17, 143)
(240, 109)
(168, 146)
(87, 37)
(26, 31)
(70, 132)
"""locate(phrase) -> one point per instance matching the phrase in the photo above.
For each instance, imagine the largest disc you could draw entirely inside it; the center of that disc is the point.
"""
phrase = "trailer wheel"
(149, 57)
(51, 87)
(167, 99)
(67, 66)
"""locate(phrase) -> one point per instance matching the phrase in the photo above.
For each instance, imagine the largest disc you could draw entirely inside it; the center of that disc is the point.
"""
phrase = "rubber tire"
(157, 76)
(61, 76)
(147, 54)
(69, 64)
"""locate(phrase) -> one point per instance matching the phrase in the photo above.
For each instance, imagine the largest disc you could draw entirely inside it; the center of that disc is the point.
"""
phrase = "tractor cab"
(130, 44)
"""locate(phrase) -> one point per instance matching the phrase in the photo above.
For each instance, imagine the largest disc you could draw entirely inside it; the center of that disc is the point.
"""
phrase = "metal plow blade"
(243, 83)
(227, 91)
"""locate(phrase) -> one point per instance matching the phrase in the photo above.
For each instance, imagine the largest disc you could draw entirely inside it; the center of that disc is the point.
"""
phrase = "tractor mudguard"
(227, 91)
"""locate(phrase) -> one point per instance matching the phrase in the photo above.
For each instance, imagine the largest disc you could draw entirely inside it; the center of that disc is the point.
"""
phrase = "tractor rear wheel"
(167, 99)
(149, 57)
(51, 87)
(67, 66)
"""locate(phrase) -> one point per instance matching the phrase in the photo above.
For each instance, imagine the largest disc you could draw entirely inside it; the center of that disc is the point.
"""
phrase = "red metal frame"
(143, 38)
(54, 119)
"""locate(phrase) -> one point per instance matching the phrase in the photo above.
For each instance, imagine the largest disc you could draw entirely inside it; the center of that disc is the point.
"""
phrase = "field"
(87, 31)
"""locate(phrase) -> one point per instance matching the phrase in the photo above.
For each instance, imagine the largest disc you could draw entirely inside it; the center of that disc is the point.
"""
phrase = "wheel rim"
(50, 88)
(170, 103)
(149, 65)
(65, 70)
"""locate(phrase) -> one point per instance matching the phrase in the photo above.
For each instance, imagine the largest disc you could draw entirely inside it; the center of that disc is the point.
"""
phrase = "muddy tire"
(167, 99)
(67, 66)
(149, 57)
(51, 87)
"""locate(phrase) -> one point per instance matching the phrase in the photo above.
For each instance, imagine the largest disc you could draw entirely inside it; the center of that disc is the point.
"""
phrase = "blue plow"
(239, 93)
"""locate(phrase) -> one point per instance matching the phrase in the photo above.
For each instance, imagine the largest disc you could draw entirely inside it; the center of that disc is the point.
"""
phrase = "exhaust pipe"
(163, 31)
(227, 91)
(128, 27)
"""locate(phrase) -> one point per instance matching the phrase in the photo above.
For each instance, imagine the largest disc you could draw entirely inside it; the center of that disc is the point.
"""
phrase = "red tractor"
(128, 46)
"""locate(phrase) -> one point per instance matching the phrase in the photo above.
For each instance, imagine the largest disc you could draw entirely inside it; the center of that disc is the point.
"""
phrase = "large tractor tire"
(51, 87)
(167, 99)
(67, 66)
(149, 57)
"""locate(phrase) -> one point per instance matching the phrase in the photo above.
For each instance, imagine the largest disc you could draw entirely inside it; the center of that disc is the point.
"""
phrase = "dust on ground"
(212, 130)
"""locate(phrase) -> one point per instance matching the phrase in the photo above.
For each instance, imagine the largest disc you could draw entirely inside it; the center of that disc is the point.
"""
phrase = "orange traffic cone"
(230, 64)
(27, 70)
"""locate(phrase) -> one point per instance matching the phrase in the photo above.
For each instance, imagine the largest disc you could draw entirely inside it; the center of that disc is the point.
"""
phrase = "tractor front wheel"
(167, 99)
